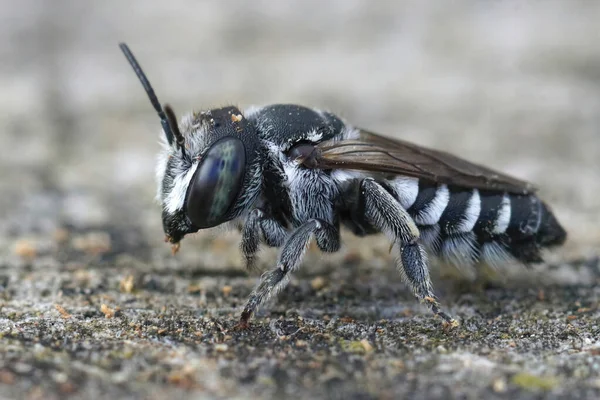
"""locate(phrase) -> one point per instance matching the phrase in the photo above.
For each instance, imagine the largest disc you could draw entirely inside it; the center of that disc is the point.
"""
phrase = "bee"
(288, 174)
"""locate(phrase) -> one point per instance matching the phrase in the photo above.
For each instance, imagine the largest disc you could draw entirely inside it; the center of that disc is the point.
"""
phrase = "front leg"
(328, 239)
(258, 225)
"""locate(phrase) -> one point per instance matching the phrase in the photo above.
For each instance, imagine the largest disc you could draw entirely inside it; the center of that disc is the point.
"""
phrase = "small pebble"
(7, 377)
(127, 284)
(366, 345)
(107, 311)
(221, 347)
(63, 313)
(226, 290)
(26, 249)
(499, 385)
(94, 243)
(318, 283)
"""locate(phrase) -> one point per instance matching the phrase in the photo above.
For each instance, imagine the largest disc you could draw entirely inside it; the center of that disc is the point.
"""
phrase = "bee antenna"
(167, 128)
(172, 119)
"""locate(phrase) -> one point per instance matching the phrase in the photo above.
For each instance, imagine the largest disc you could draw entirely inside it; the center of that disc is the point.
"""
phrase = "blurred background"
(514, 85)
(91, 300)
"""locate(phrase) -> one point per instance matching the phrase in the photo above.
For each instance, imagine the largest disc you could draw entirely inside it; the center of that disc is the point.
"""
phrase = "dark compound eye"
(216, 183)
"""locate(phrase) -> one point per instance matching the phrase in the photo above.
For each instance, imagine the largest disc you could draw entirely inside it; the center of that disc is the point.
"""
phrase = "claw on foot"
(243, 323)
(449, 325)
(175, 248)
(435, 308)
(447, 319)
(241, 326)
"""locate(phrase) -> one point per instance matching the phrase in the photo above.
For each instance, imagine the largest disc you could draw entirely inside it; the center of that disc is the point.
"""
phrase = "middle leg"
(260, 225)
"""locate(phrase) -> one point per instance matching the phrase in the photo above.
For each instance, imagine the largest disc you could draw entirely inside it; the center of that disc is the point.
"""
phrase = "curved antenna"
(151, 95)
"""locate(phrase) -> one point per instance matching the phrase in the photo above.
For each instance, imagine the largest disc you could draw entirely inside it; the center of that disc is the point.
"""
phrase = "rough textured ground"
(92, 304)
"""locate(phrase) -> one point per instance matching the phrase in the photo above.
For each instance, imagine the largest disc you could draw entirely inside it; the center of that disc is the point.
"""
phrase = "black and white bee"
(286, 174)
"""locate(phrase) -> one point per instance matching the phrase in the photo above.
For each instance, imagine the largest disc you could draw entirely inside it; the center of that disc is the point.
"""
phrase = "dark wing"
(375, 153)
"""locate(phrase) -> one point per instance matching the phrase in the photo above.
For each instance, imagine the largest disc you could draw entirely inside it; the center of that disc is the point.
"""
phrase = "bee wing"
(376, 153)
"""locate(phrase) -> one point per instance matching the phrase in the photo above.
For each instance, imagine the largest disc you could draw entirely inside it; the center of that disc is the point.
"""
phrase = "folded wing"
(376, 153)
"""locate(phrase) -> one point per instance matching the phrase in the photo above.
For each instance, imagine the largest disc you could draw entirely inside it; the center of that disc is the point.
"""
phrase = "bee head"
(209, 168)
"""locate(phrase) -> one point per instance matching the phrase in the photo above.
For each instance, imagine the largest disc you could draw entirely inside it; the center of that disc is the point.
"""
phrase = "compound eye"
(216, 183)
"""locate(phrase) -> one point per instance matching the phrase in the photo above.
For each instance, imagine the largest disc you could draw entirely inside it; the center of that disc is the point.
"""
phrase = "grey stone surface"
(514, 85)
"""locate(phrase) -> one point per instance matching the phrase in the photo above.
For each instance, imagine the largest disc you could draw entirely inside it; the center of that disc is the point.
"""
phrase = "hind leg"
(383, 211)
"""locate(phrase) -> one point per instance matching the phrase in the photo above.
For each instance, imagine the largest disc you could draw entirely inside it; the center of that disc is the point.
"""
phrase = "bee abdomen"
(466, 225)
(516, 226)
(531, 227)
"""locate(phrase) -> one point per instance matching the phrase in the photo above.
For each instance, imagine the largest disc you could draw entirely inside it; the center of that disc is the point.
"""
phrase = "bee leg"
(384, 211)
(258, 224)
(328, 239)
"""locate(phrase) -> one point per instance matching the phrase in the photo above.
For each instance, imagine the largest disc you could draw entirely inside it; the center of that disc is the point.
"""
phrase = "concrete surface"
(92, 304)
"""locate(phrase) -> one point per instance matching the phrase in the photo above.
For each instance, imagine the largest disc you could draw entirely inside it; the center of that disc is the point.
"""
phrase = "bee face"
(211, 179)
(209, 171)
